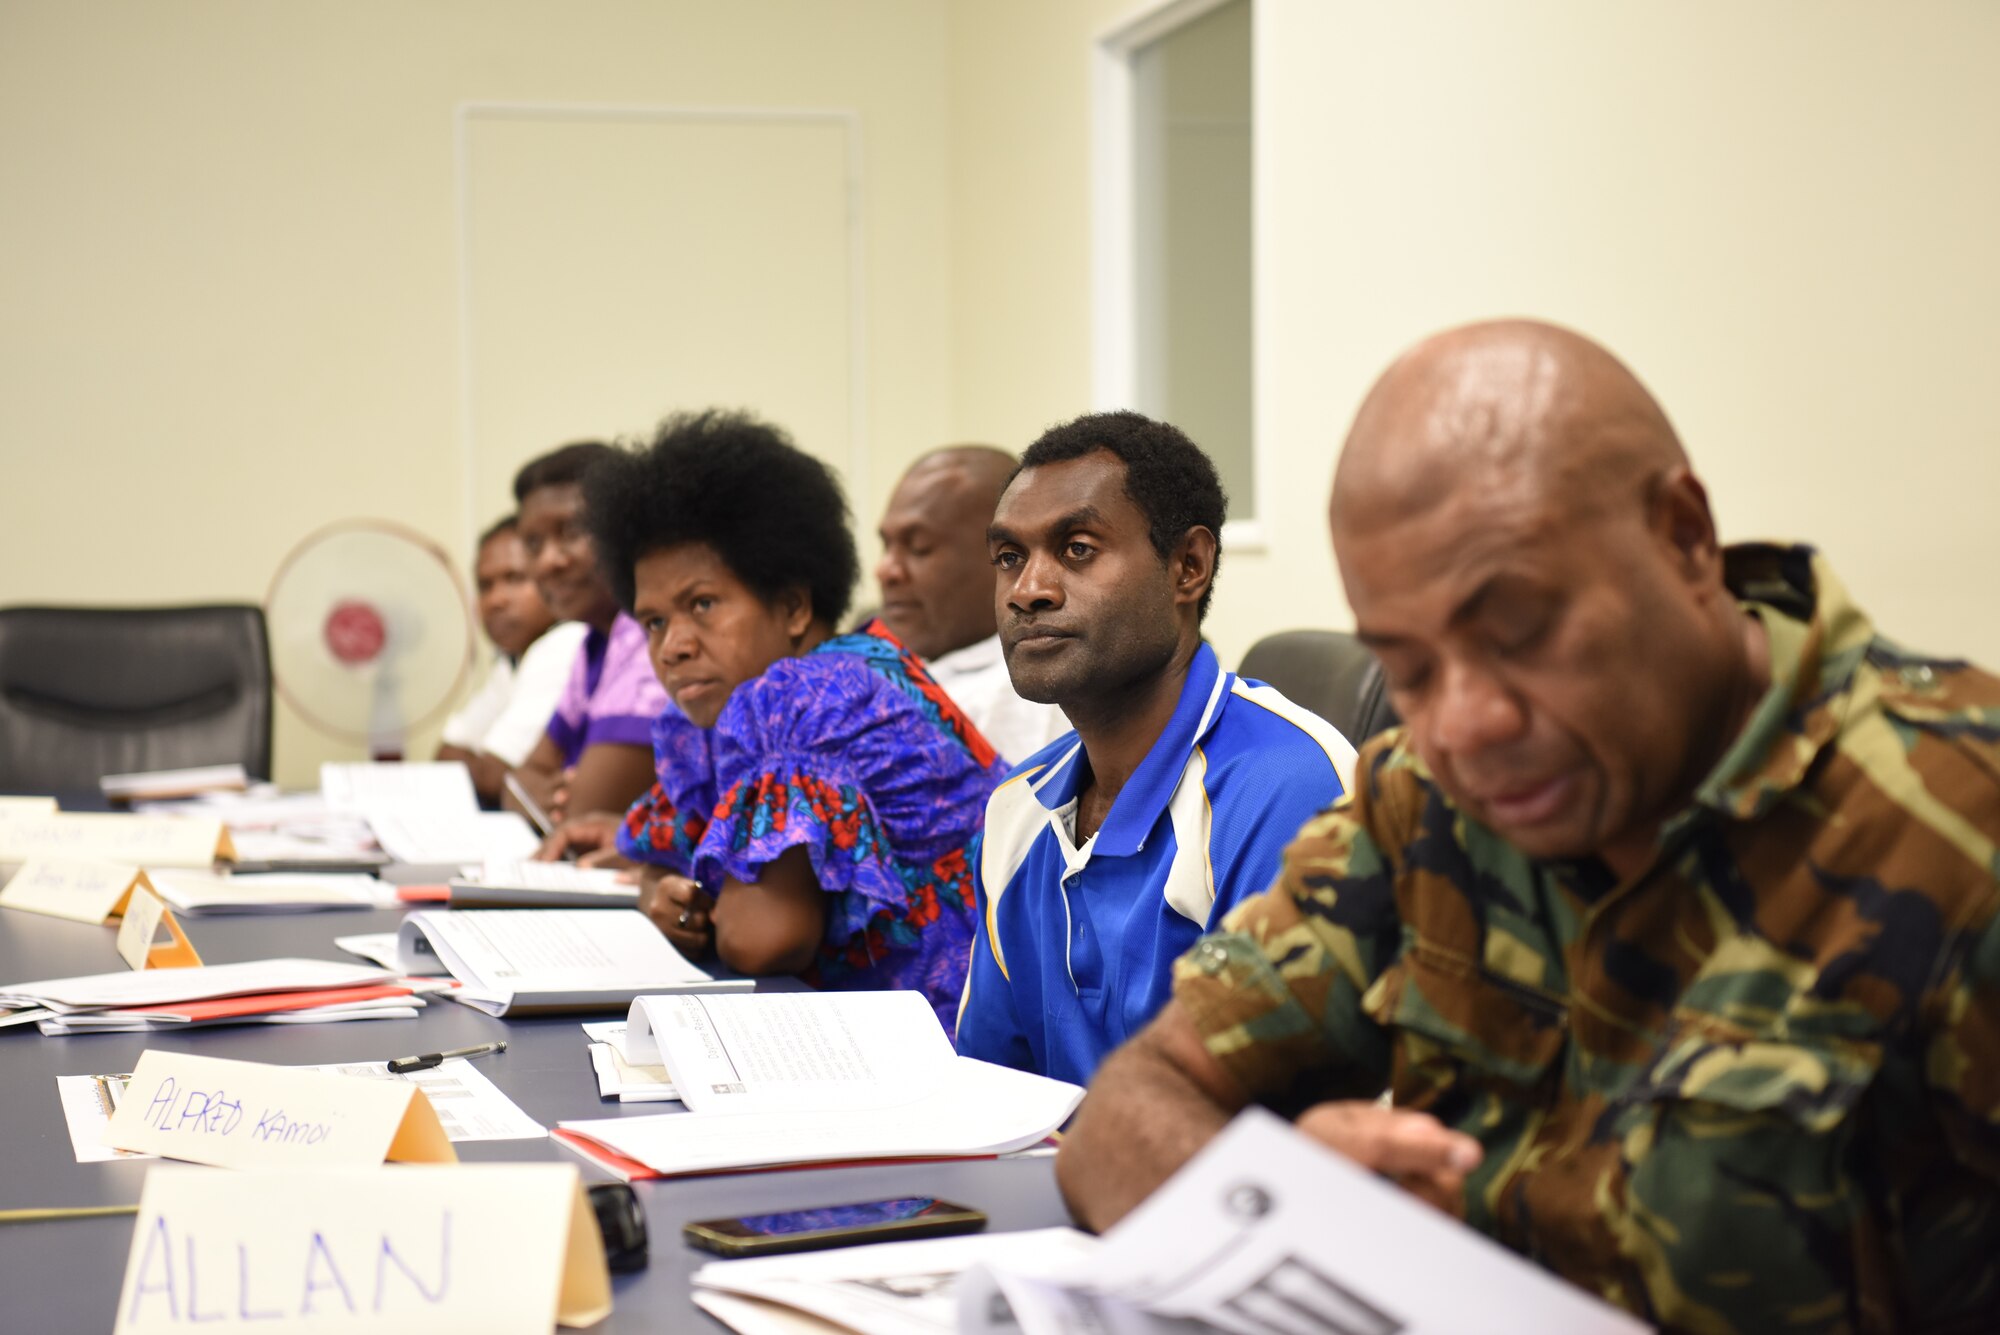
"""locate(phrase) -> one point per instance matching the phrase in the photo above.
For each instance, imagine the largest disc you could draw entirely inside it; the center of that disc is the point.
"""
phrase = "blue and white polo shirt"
(1075, 948)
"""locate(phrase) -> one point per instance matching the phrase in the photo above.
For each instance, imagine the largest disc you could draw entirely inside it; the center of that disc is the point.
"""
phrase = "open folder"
(814, 1077)
(511, 961)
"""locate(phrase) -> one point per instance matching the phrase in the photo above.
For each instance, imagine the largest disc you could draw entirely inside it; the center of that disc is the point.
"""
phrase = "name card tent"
(97, 892)
(140, 841)
(236, 1114)
(486, 1249)
(144, 914)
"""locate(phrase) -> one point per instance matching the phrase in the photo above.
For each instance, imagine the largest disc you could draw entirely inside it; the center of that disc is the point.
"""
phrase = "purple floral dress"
(854, 752)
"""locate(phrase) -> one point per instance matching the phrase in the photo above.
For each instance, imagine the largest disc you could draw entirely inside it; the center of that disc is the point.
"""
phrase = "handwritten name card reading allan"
(248, 1115)
(494, 1249)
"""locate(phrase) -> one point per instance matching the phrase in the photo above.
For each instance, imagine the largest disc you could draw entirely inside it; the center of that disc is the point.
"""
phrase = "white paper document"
(437, 788)
(454, 838)
(786, 1051)
(1268, 1231)
(380, 948)
(970, 1109)
(549, 876)
(87, 1103)
(889, 1288)
(620, 1079)
(514, 884)
(513, 960)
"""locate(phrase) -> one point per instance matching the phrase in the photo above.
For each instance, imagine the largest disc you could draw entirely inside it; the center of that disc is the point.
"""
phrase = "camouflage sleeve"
(1962, 1059)
(1276, 993)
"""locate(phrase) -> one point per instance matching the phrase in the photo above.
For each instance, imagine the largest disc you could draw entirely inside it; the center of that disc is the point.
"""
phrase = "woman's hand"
(586, 834)
(682, 910)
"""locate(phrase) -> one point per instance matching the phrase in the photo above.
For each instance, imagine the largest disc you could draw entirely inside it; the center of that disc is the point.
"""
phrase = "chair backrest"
(88, 691)
(1329, 672)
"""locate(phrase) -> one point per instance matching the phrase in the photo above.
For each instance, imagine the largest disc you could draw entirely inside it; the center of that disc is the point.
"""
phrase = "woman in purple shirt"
(819, 798)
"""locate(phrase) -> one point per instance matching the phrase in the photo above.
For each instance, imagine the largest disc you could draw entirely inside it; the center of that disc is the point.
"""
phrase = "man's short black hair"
(504, 524)
(559, 468)
(773, 513)
(1166, 475)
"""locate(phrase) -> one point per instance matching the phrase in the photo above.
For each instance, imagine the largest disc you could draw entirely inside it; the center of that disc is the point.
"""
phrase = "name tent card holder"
(145, 841)
(236, 1114)
(79, 889)
(28, 806)
(485, 1249)
(145, 913)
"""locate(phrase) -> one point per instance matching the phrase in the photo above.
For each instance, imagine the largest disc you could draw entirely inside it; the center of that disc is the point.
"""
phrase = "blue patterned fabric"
(853, 752)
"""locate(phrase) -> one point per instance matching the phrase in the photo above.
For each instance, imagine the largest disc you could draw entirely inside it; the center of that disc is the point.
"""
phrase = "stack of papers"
(617, 1078)
(511, 961)
(196, 894)
(427, 813)
(283, 991)
(276, 831)
(162, 784)
(513, 884)
(814, 1077)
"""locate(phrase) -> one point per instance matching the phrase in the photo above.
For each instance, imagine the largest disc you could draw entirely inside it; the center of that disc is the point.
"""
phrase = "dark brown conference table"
(64, 1275)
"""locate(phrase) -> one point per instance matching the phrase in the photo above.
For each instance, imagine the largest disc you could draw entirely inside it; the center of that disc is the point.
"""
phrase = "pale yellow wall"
(229, 258)
(229, 303)
(1782, 213)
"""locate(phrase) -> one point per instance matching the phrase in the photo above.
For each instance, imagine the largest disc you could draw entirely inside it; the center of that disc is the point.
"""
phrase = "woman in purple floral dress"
(819, 798)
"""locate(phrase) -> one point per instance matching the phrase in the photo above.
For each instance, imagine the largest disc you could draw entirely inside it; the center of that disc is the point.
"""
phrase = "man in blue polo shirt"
(1109, 851)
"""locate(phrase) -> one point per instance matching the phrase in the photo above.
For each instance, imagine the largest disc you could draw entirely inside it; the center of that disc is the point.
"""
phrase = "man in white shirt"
(496, 729)
(937, 592)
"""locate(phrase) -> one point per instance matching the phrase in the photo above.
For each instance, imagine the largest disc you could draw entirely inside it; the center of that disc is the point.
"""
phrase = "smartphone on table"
(833, 1226)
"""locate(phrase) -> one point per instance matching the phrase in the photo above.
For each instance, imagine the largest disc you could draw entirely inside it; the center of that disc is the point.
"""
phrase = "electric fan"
(371, 633)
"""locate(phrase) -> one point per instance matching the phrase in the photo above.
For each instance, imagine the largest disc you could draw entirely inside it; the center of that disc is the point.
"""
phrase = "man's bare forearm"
(1153, 1104)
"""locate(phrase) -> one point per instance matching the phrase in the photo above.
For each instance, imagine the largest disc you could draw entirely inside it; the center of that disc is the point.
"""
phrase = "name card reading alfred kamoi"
(497, 1249)
(248, 1115)
(146, 841)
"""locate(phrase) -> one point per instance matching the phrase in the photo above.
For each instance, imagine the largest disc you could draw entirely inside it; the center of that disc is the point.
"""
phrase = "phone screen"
(838, 1216)
(833, 1226)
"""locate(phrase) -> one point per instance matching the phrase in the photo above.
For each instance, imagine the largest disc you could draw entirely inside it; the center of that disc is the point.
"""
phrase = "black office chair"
(1329, 672)
(88, 691)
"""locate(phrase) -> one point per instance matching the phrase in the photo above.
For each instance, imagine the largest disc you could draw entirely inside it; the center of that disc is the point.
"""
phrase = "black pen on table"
(425, 1061)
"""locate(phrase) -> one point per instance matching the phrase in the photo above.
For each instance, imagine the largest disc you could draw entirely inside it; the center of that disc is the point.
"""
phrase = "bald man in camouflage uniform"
(1668, 921)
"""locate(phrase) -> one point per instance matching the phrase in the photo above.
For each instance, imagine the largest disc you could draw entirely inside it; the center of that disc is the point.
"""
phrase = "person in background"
(595, 754)
(1109, 851)
(818, 797)
(1668, 921)
(498, 727)
(937, 591)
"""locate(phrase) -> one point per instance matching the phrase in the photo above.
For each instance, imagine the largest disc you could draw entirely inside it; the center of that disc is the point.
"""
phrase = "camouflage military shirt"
(1755, 1087)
